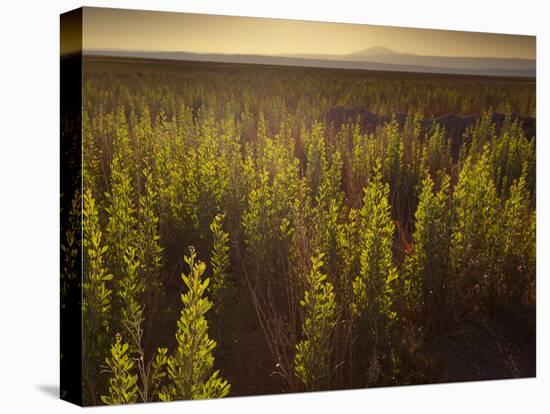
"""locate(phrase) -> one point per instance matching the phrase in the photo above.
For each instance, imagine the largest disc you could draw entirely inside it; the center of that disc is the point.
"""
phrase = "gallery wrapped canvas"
(260, 206)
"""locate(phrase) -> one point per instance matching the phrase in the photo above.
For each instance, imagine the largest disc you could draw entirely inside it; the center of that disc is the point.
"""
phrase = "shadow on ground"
(51, 390)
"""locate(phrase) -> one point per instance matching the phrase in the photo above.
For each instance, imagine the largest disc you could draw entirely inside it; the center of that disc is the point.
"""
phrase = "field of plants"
(260, 229)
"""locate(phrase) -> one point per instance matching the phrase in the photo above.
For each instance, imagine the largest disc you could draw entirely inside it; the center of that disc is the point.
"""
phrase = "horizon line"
(302, 54)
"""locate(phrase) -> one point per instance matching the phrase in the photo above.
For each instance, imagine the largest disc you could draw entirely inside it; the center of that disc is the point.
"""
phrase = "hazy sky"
(166, 31)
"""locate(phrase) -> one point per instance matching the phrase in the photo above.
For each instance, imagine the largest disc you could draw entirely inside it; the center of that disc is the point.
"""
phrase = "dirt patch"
(485, 350)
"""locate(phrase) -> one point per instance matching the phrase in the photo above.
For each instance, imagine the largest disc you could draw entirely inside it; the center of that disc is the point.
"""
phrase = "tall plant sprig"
(96, 304)
(122, 383)
(312, 363)
(374, 289)
(190, 367)
(219, 260)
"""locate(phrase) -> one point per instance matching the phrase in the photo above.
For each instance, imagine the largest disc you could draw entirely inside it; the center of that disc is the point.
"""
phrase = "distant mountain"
(483, 65)
(471, 63)
(360, 55)
(375, 58)
(374, 51)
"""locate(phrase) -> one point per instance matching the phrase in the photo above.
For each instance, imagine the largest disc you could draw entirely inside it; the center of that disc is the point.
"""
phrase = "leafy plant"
(219, 260)
(312, 363)
(375, 287)
(190, 366)
(96, 304)
(122, 384)
(150, 250)
(427, 268)
(476, 235)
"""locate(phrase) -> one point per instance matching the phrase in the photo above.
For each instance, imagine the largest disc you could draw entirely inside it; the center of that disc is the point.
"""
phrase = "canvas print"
(260, 206)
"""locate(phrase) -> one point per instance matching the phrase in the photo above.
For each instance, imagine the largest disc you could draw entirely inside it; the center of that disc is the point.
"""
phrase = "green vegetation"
(341, 235)
(189, 368)
(312, 361)
(122, 384)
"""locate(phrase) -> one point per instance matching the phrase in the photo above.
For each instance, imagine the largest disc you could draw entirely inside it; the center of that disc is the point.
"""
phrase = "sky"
(169, 31)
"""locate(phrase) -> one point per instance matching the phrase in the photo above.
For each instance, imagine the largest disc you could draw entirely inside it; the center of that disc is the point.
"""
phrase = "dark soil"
(471, 350)
(496, 349)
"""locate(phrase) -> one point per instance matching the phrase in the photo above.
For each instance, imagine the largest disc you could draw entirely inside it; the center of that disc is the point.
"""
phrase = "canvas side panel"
(71, 211)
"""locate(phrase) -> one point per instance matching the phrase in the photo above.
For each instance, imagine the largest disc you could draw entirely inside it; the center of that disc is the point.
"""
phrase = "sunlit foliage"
(340, 226)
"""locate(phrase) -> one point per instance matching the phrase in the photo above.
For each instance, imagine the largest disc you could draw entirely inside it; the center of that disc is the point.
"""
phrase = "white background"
(29, 205)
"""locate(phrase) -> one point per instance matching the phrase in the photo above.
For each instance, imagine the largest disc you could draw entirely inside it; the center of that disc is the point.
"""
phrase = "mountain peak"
(375, 51)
